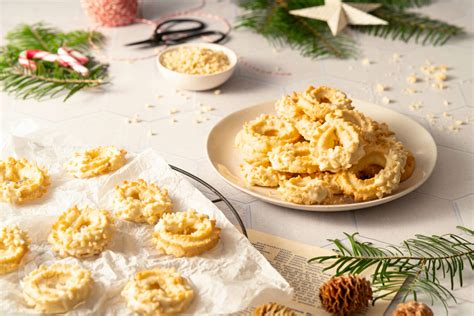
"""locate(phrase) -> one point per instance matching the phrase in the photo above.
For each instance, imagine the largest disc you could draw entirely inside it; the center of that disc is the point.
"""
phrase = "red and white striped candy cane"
(25, 58)
(65, 57)
(72, 62)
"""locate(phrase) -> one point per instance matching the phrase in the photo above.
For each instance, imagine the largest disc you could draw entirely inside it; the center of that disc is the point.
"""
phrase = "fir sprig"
(424, 261)
(49, 79)
(271, 18)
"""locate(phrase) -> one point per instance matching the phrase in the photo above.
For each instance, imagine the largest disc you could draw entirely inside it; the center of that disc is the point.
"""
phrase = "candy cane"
(25, 58)
(72, 62)
(65, 57)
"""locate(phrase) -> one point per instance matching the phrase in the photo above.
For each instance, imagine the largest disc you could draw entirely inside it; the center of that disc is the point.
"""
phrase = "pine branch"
(272, 20)
(49, 79)
(424, 260)
(406, 26)
(397, 4)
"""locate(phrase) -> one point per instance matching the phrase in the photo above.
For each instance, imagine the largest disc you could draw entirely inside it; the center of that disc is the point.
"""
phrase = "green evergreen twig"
(271, 18)
(424, 261)
(49, 79)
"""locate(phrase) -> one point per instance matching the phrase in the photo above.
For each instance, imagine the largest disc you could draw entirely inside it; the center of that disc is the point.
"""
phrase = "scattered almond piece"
(410, 91)
(386, 100)
(151, 133)
(366, 62)
(217, 92)
(135, 119)
(440, 76)
(438, 85)
(415, 106)
(446, 103)
(380, 87)
(412, 78)
(173, 111)
(446, 114)
(149, 106)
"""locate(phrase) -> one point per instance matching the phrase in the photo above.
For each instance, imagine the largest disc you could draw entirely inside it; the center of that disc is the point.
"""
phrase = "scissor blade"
(148, 41)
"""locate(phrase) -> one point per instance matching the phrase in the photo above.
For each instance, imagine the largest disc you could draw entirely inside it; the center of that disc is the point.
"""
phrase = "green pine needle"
(271, 18)
(406, 26)
(424, 261)
(50, 79)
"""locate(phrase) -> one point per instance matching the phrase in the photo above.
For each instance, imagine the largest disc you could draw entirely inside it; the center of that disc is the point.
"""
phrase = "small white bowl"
(198, 82)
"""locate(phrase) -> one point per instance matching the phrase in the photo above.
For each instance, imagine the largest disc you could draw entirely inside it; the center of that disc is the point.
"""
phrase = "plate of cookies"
(318, 150)
(101, 231)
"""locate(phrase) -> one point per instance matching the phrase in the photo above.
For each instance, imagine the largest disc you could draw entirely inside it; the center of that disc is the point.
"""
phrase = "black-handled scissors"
(163, 35)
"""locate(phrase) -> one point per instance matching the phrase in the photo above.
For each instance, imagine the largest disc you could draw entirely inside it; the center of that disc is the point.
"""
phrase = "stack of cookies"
(319, 150)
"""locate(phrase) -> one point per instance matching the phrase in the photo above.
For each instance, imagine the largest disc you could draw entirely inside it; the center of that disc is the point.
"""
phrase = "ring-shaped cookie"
(304, 190)
(338, 145)
(363, 183)
(158, 292)
(96, 161)
(21, 181)
(261, 173)
(13, 247)
(264, 133)
(140, 202)
(57, 288)
(287, 108)
(409, 167)
(185, 234)
(293, 158)
(82, 232)
(307, 127)
(320, 101)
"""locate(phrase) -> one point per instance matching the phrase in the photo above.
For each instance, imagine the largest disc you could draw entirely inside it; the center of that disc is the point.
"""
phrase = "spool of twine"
(111, 12)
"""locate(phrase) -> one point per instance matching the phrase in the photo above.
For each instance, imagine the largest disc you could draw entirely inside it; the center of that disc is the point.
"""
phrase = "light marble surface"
(100, 117)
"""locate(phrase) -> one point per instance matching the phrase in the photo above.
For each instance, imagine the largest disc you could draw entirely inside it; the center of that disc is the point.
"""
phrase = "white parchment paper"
(226, 279)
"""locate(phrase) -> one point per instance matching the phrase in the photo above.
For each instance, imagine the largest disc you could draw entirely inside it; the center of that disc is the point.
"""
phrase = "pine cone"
(412, 308)
(344, 295)
(273, 309)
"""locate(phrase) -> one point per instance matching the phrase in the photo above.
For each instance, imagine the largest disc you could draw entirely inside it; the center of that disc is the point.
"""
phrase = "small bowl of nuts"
(197, 66)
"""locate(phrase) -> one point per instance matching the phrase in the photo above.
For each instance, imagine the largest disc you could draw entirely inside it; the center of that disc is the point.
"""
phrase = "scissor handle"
(185, 38)
(199, 26)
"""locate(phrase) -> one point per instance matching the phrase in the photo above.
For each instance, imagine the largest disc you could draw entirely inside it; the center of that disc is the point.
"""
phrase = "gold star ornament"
(339, 14)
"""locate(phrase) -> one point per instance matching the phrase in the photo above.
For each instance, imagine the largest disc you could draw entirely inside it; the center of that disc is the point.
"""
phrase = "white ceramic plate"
(226, 159)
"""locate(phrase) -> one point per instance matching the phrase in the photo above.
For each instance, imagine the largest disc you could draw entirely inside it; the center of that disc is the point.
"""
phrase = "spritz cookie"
(305, 190)
(97, 161)
(81, 232)
(293, 158)
(338, 145)
(158, 292)
(364, 183)
(13, 247)
(57, 288)
(21, 181)
(409, 167)
(317, 102)
(264, 133)
(185, 234)
(141, 202)
(262, 174)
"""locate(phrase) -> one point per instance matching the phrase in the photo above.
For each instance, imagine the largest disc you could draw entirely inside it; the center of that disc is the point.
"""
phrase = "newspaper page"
(291, 260)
